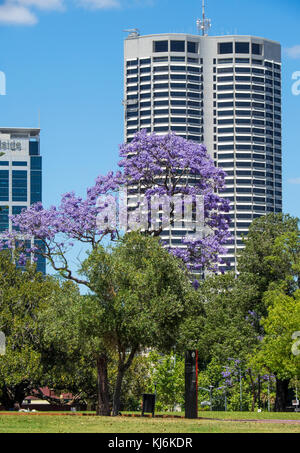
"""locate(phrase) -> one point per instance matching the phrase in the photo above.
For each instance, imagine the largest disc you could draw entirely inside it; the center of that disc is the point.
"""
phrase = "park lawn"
(222, 415)
(28, 423)
(250, 415)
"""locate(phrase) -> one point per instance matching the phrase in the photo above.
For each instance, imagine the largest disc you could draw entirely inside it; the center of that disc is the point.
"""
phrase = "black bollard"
(191, 384)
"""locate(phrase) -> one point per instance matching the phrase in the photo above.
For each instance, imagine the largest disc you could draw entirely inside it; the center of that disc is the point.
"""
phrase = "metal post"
(210, 396)
(269, 394)
(191, 404)
(259, 390)
(241, 391)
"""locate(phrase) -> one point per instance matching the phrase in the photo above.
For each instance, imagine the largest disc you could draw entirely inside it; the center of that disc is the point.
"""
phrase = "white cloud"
(19, 12)
(23, 12)
(293, 52)
(41, 4)
(14, 14)
(99, 4)
(294, 181)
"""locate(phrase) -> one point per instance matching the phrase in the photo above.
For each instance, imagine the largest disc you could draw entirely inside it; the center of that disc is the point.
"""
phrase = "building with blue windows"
(223, 91)
(20, 174)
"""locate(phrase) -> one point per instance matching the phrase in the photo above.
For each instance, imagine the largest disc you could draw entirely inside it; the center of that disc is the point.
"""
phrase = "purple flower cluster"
(158, 165)
(170, 165)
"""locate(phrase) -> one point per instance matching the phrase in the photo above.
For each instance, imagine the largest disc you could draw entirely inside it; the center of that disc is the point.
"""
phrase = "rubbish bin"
(148, 403)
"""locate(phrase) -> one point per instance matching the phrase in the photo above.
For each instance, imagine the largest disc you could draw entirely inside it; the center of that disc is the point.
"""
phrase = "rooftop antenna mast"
(133, 32)
(203, 24)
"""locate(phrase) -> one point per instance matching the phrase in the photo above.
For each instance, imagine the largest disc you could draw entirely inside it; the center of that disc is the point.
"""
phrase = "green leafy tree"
(140, 296)
(167, 379)
(220, 325)
(279, 349)
(271, 260)
(23, 294)
(271, 254)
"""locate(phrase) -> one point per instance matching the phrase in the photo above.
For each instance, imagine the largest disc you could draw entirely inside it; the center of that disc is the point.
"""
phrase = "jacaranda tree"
(158, 165)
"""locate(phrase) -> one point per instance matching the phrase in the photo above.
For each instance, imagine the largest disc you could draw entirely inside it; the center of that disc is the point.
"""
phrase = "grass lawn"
(42, 423)
(251, 415)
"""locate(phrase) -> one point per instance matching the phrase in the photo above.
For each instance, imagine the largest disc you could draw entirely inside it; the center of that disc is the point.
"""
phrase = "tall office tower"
(20, 175)
(224, 92)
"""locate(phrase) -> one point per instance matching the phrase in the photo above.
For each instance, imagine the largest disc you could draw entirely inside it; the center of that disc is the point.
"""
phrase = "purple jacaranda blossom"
(196, 284)
(170, 165)
(157, 165)
(58, 228)
(226, 373)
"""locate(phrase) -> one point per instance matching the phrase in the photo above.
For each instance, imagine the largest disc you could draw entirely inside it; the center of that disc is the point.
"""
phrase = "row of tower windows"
(247, 79)
(175, 46)
(173, 102)
(270, 124)
(193, 69)
(166, 94)
(249, 147)
(239, 47)
(247, 113)
(189, 77)
(147, 61)
(245, 104)
(261, 174)
(243, 70)
(251, 164)
(190, 86)
(245, 130)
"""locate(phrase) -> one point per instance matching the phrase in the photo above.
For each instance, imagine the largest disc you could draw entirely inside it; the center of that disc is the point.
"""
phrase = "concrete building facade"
(224, 92)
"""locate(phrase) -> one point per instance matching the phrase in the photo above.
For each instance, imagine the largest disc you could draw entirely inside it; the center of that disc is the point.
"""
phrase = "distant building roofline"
(205, 37)
(32, 131)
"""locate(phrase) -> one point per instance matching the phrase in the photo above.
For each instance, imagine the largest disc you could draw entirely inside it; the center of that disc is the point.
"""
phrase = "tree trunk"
(12, 396)
(102, 386)
(253, 391)
(259, 392)
(6, 399)
(122, 368)
(281, 401)
(118, 389)
(253, 400)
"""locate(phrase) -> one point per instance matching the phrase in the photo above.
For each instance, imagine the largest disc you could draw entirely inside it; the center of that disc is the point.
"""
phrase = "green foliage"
(23, 295)
(142, 291)
(219, 325)
(140, 296)
(282, 321)
(272, 252)
(167, 377)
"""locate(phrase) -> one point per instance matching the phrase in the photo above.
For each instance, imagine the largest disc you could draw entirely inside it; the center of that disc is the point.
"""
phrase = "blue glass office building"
(20, 175)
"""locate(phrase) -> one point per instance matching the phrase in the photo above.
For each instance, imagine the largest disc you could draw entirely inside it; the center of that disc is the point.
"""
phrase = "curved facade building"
(223, 91)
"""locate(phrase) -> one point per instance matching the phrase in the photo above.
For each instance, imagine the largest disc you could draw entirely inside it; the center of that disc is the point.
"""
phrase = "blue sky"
(64, 58)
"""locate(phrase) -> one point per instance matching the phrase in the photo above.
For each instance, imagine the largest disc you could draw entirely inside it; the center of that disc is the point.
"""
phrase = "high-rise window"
(192, 47)
(4, 218)
(225, 47)
(161, 46)
(19, 185)
(177, 46)
(256, 49)
(241, 47)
